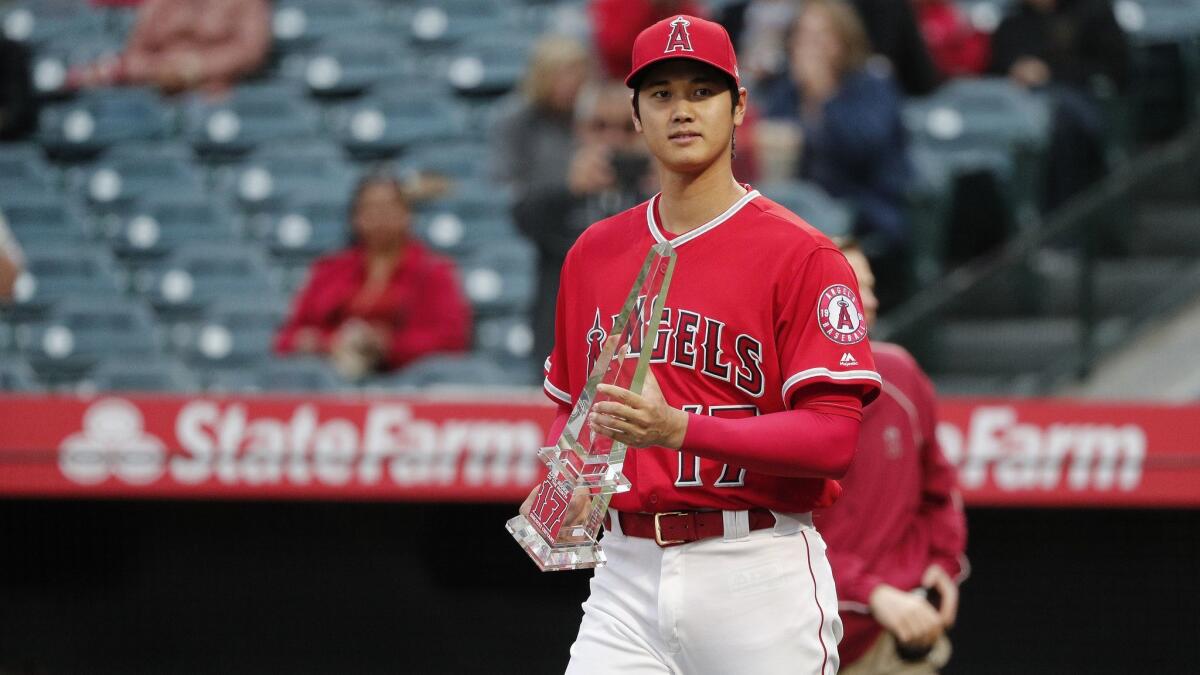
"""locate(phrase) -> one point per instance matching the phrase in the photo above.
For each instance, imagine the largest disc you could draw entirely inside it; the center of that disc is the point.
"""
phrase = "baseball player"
(760, 367)
(899, 526)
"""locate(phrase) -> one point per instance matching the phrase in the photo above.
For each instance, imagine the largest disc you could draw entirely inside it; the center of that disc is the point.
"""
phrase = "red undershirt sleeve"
(816, 439)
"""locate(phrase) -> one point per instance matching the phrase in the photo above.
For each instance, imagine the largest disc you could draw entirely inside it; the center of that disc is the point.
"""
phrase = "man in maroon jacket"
(897, 535)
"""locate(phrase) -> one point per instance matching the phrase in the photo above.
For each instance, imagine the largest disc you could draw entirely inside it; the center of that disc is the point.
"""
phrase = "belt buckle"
(658, 529)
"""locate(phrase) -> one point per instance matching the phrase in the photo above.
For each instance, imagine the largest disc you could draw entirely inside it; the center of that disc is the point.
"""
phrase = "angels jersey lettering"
(761, 306)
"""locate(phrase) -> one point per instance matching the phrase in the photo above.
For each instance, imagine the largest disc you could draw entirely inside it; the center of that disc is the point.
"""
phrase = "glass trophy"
(563, 525)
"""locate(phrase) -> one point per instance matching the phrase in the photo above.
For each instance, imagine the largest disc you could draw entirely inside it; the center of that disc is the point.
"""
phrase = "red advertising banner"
(1008, 452)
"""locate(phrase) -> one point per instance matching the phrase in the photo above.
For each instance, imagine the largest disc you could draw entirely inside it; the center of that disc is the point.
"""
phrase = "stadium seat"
(253, 115)
(299, 24)
(449, 371)
(54, 60)
(466, 221)
(351, 63)
(16, 375)
(298, 375)
(237, 330)
(130, 172)
(458, 159)
(36, 22)
(101, 118)
(499, 279)
(814, 205)
(985, 15)
(489, 66)
(968, 121)
(434, 25)
(306, 227)
(275, 174)
(80, 332)
(38, 218)
(381, 126)
(153, 227)
(504, 337)
(25, 171)
(139, 375)
(58, 271)
(199, 275)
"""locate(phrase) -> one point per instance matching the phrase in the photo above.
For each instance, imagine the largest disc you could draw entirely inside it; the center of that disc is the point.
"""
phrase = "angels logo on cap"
(840, 316)
(684, 37)
(679, 40)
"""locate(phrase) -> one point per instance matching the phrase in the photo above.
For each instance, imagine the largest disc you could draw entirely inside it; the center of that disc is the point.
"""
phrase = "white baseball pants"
(751, 603)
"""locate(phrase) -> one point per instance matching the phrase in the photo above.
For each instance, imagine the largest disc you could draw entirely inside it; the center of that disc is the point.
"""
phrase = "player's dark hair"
(377, 174)
(734, 95)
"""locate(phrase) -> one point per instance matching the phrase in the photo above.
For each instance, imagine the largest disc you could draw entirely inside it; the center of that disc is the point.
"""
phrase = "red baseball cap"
(684, 37)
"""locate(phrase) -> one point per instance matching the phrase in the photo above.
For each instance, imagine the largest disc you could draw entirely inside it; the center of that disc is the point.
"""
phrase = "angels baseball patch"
(840, 316)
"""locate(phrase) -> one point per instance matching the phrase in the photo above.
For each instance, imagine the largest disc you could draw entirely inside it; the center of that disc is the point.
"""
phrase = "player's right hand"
(907, 616)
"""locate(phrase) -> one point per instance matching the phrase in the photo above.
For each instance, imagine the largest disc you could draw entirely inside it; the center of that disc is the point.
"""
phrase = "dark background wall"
(185, 587)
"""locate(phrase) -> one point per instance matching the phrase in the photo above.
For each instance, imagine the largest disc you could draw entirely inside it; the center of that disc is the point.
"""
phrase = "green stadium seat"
(102, 118)
(160, 375)
(807, 200)
(253, 115)
(499, 278)
(57, 272)
(80, 332)
(155, 226)
(195, 277)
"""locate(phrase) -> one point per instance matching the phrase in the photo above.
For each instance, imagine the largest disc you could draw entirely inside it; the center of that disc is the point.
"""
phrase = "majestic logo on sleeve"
(679, 41)
(840, 316)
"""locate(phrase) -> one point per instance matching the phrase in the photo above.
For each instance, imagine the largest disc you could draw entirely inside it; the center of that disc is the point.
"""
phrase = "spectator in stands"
(616, 24)
(1070, 50)
(18, 104)
(897, 536)
(846, 112)
(893, 33)
(384, 301)
(608, 171)
(957, 48)
(12, 262)
(184, 45)
(533, 133)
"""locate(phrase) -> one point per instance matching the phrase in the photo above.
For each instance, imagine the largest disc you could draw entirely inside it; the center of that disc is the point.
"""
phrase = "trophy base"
(597, 478)
(550, 558)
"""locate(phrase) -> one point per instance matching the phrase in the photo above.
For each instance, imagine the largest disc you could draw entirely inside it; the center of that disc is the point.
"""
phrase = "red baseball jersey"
(901, 511)
(761, 305)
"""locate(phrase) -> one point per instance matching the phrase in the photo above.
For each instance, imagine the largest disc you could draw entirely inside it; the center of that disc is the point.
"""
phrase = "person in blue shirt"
(846, 107)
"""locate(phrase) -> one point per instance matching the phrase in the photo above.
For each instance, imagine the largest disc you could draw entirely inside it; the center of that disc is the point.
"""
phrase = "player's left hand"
(936, 577)
(638, 421)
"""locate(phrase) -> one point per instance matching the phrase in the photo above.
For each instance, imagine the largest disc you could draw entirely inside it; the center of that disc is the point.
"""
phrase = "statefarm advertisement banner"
(1008, 452)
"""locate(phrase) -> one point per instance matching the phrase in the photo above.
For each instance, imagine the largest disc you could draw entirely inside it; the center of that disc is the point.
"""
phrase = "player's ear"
(637, 120)
(739, 108)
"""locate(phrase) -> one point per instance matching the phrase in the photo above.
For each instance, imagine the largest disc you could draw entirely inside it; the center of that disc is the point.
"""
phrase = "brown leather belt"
(681, 527)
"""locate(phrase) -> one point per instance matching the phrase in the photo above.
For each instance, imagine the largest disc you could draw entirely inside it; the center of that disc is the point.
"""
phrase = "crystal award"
(568, 511)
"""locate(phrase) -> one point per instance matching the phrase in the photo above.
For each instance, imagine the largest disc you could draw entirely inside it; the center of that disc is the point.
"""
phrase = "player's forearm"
(794, 443)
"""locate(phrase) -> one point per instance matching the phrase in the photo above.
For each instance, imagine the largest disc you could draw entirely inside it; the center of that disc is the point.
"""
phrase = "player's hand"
(936, 577)
(638, 421)
(907, 616)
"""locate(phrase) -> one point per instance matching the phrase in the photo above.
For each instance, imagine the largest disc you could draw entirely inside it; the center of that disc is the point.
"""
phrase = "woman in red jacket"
(384, 301)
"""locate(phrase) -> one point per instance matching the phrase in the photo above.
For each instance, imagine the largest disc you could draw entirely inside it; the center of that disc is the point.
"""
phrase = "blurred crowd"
(827, 81)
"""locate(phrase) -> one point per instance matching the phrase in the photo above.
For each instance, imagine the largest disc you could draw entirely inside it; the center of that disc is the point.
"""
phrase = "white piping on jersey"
(914, 421)
(556, 392)
(688, 236)
(825, 372)
(546, 365)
